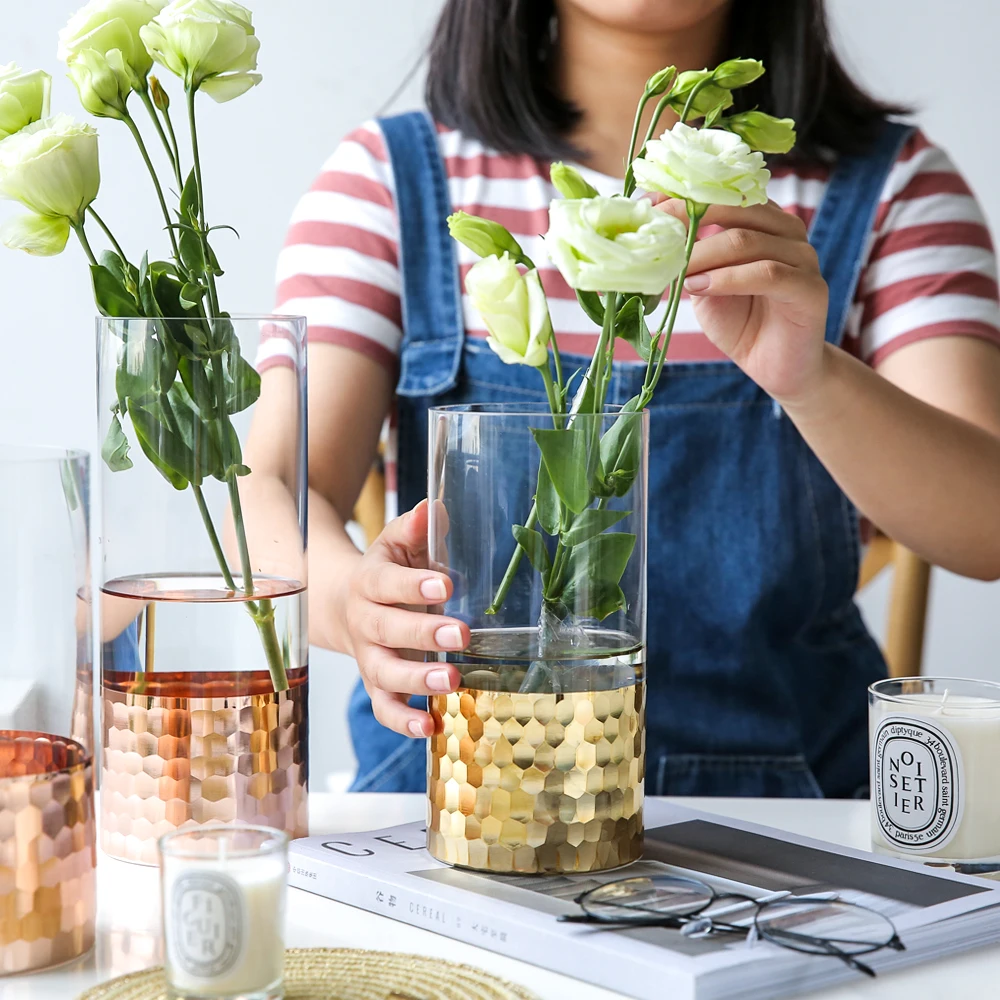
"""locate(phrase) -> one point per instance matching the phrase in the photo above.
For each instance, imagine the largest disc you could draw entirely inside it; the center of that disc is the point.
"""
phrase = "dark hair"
(490, 76)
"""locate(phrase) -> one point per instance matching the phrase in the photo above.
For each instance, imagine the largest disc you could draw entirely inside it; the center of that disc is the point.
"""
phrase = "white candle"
(223, 914)
(935, 777)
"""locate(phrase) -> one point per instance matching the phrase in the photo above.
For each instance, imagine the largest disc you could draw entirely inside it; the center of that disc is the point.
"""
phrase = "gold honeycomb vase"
(537, 783)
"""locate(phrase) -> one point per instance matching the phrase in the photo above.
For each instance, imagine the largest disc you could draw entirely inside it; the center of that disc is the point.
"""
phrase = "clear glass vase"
(537, 761)
(203, 581)
(47, 839)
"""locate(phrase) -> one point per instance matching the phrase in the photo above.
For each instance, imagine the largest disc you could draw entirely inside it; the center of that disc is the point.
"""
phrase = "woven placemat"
(347, 974)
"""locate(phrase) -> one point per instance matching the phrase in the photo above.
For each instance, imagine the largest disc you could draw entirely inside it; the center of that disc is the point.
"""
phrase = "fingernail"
(449, 637)
(439, 680)
(416, 728)
(433, 589)
(697, 282)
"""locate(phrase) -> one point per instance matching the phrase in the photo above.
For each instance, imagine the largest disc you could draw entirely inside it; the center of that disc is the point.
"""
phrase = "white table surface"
(128, 914)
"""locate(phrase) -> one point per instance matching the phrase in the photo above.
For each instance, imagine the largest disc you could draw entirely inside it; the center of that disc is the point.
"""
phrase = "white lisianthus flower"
(41, 235)
(514, 309)
(210, 44)
(103, 82)
(103, 26)
(24, 98)
(51, 167)
(705, 166)
(615, 245)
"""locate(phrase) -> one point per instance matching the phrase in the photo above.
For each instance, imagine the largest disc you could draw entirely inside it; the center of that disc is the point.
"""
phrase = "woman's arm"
(916, 445)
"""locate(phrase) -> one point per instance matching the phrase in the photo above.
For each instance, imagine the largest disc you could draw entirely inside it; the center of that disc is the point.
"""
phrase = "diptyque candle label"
(917, 783)
(209, 923)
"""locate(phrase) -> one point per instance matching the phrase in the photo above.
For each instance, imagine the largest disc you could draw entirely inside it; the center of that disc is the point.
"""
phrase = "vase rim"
(235, 317)
(517, 409)
(24, 454)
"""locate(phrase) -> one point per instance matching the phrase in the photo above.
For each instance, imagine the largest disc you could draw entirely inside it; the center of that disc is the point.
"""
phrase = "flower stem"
(84, 242)
(108, 233)
(213, 295)
(515, 561)
(137, 135)
(171, 152)
(661, 106)
(213, 536)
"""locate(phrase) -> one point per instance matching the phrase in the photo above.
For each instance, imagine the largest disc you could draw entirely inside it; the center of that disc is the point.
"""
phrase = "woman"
(805, 384)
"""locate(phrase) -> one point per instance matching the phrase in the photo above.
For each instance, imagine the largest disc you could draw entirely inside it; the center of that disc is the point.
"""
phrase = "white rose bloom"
(210, 44)
(51, 167)
(514, 309)
(24, 98)
(706, 166)
(615, 245)
(105, 25)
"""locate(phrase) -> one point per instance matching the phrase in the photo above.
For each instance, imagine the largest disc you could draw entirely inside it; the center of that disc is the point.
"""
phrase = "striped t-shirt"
(930, 268)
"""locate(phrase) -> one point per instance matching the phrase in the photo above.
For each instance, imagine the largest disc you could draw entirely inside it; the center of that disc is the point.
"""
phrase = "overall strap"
(843, 223)
(433, 329)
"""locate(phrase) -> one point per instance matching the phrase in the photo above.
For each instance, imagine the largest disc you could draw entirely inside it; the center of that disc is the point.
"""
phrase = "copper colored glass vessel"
(46, 850)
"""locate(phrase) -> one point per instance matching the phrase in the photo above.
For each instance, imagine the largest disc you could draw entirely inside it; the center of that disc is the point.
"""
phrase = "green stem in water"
(213, 536)
(515, 561)
(108, 233)
(213, 295)
(137, 135)
(171, 152)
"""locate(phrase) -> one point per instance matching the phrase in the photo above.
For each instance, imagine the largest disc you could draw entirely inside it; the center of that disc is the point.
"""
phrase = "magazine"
(935, 912)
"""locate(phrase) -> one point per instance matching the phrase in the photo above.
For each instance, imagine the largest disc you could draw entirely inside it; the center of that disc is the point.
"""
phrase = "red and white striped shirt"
(930, 268)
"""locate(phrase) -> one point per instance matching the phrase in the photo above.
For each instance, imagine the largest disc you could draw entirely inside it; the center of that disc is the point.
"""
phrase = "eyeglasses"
(817, 923)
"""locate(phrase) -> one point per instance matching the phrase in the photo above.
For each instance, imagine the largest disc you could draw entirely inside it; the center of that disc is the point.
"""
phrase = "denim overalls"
(758, 657)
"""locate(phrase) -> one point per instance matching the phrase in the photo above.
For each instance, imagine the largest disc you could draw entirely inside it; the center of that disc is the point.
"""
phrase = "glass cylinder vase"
(203, 581)
(47, 849)
(537, 761)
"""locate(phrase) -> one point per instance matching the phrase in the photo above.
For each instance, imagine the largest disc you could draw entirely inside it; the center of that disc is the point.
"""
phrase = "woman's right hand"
(385, 616)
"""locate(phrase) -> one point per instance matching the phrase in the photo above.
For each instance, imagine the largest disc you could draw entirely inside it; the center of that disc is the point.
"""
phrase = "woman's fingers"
(404, 539)
(770, 278)
(743, 246)
(393, 712)
(383, 670)
(399, 628)
(385, 582)
(769, 218)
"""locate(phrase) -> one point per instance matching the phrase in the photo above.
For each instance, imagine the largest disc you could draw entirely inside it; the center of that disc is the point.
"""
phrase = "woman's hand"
(759, 296)
(384, 615)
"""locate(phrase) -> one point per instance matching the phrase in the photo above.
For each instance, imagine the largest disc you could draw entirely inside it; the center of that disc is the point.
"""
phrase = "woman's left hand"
(759, 296)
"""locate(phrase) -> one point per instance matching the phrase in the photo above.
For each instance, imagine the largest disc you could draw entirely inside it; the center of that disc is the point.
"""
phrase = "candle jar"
(223, 891)
(935, 742)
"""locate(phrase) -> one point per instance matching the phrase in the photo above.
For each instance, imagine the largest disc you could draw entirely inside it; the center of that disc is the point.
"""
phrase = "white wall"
(329, 64)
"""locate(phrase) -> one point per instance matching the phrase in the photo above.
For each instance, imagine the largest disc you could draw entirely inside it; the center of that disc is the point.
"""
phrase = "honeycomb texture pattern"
(178, 763)
(47, 855)
(543, 783)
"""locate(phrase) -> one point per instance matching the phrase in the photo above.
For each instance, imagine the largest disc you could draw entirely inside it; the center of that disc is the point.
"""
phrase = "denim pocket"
(734, 775)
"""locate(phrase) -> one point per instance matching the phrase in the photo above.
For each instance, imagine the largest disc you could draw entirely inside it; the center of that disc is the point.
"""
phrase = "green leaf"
(168, 454)
(189, 197)
(191, 294)
(242, 383)
(110, 260)
(200, 436)
(114, 451)
(592, 522)
(168, 364)
(192, 250)
(238, 470)
(139, 368)
(630, 325)
(596, 568)
(547, 505)
(111, 295)
(199, 386)
(566, 457)
(592, 306)
(621, 448)
(603, 599)
(534, 547)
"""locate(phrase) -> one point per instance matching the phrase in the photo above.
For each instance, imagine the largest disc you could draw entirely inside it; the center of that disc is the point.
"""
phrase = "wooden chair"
(904, 644)
(904, 639)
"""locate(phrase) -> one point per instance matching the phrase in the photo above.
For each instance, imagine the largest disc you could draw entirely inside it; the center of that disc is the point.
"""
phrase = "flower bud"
(735, 73)
(514, 309)
(483, 237)
(102, 80)
(709, 97)
(102, 25)
(24, 98)
(570, 183)
(762, 132)
(160, 99)
(659, 82)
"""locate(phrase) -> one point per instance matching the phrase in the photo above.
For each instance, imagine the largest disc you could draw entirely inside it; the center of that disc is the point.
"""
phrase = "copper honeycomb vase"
(537, 762)
(47, 852)
(204, 635)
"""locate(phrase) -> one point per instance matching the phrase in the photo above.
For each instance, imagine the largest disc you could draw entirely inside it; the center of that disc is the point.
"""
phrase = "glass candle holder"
(935, 742)
(224, 912)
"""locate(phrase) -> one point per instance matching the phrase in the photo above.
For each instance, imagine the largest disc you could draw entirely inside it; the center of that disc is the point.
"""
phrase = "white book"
(935, 912)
